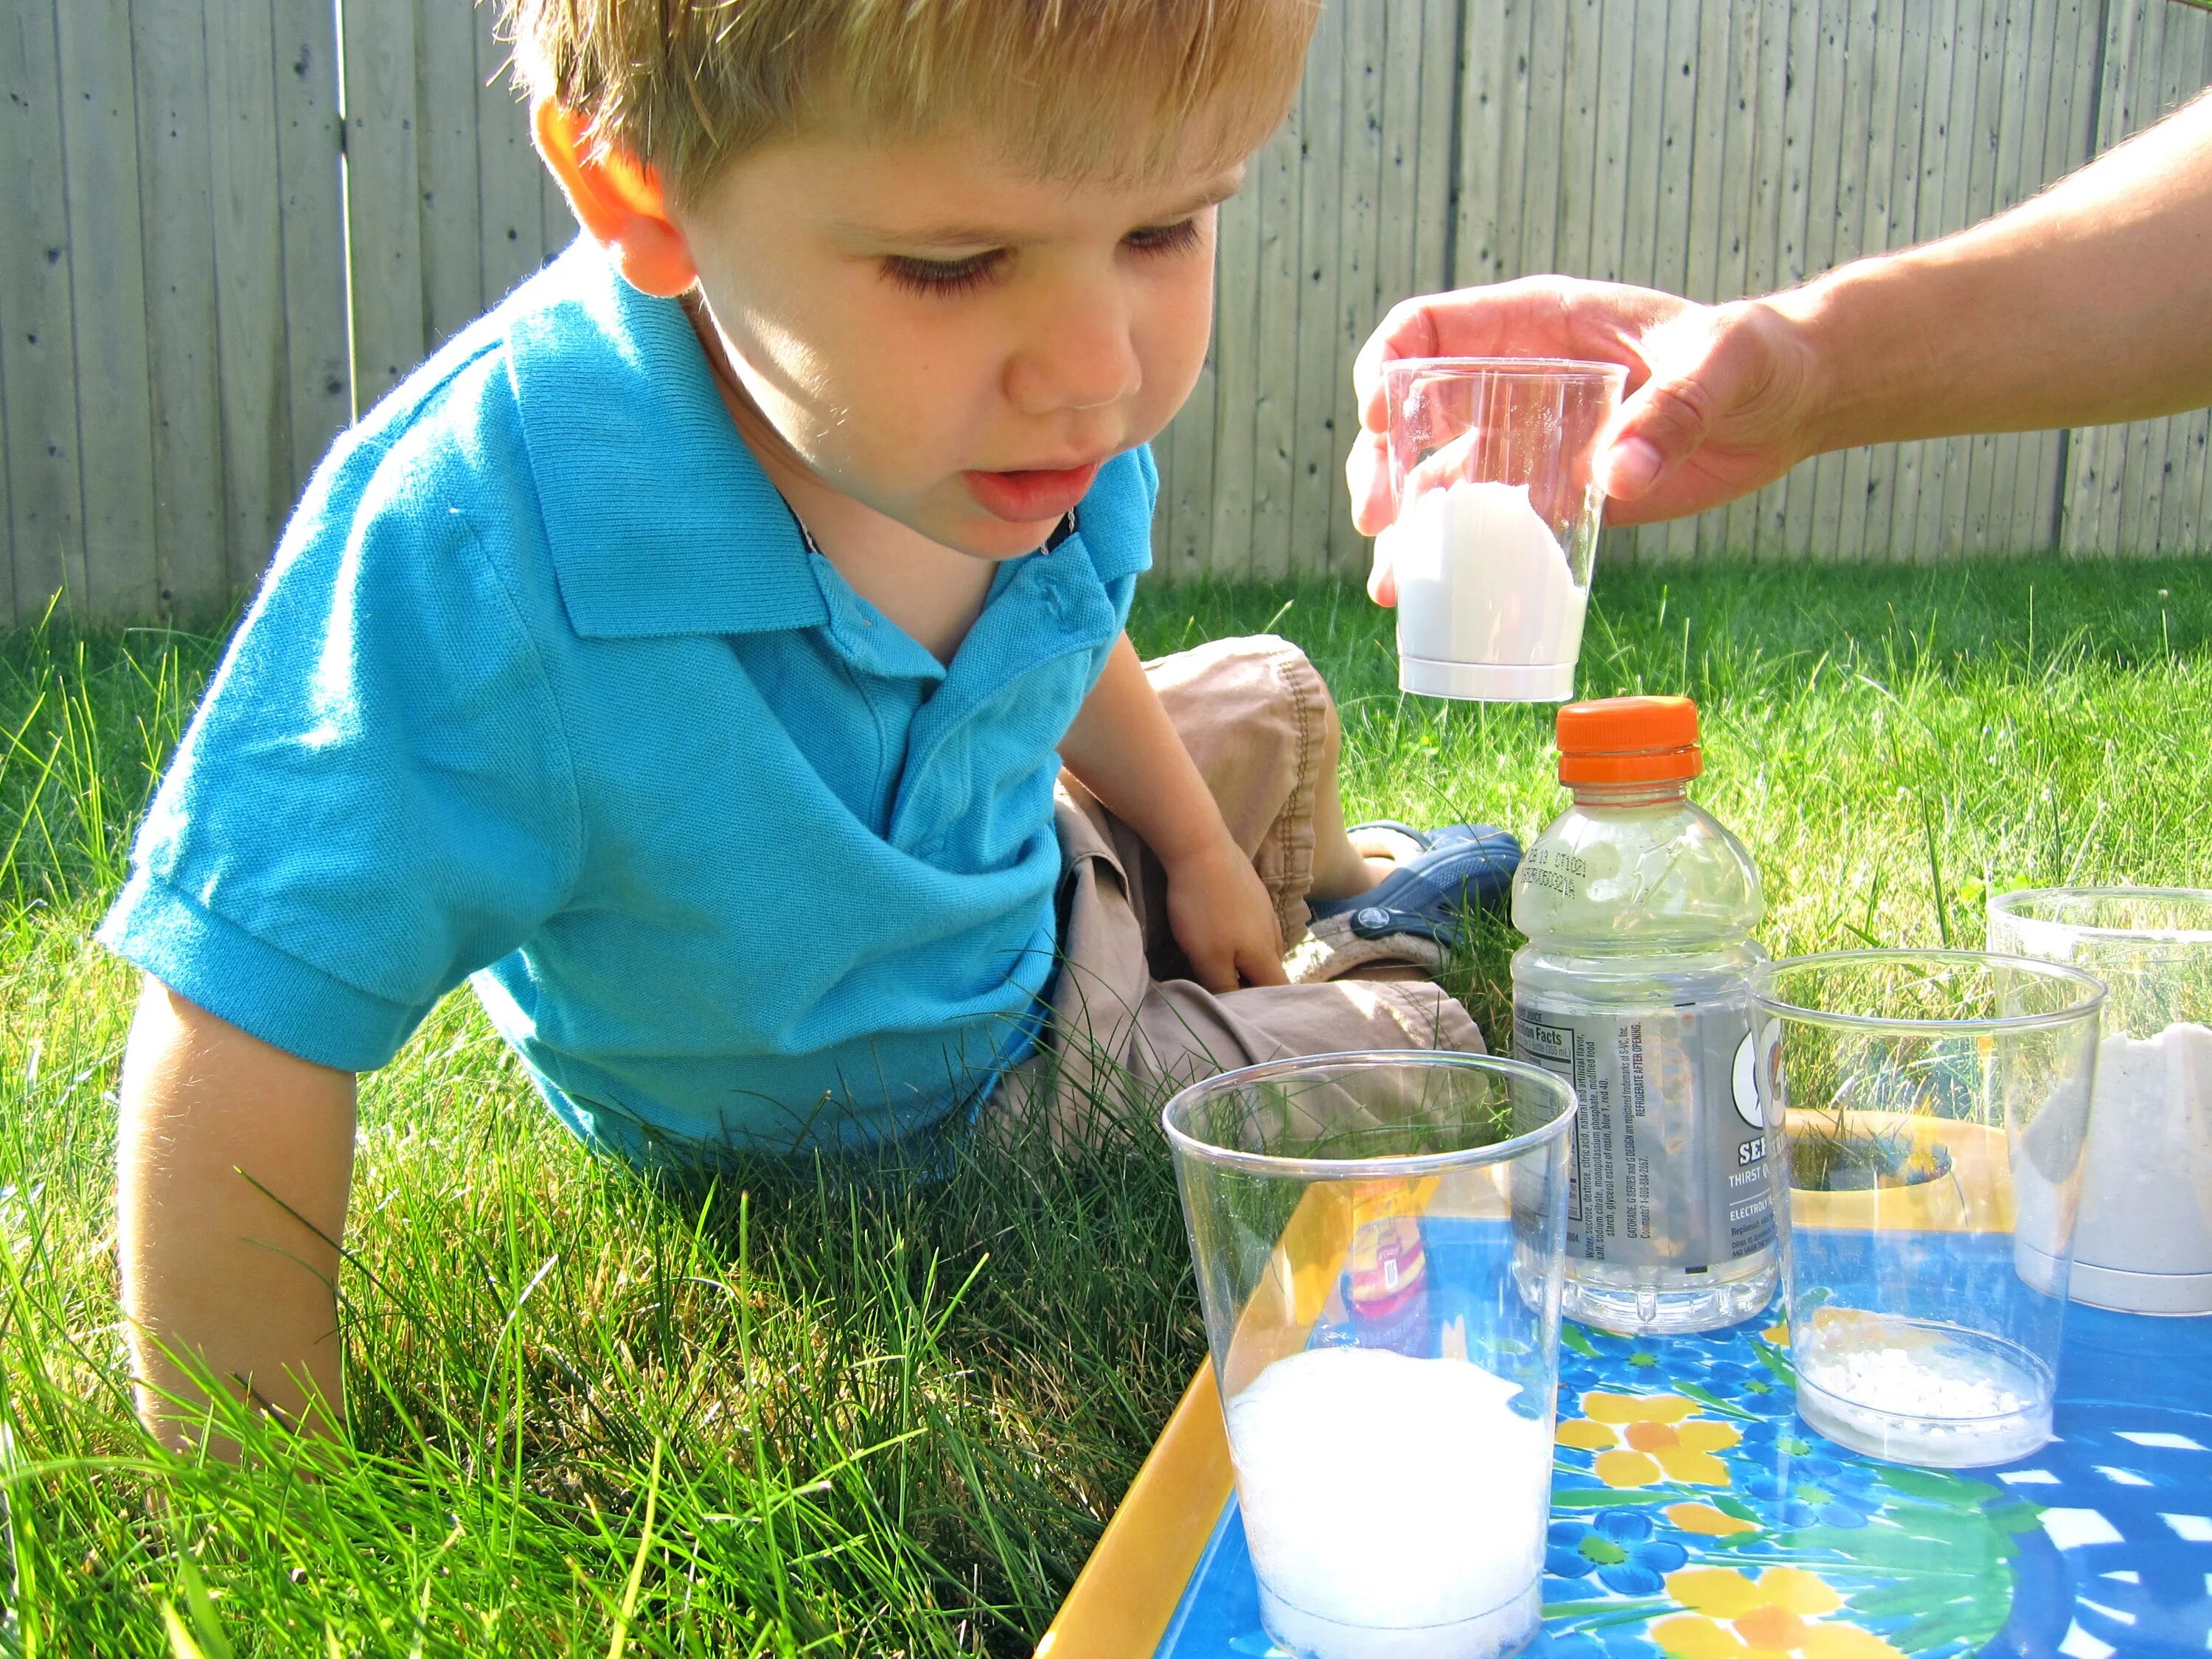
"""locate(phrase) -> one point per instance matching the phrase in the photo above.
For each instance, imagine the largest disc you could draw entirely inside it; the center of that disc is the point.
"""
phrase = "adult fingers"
(1409, 329)
(1706, 368)
(1382, 579)
(1367, 471)
(1532, 317)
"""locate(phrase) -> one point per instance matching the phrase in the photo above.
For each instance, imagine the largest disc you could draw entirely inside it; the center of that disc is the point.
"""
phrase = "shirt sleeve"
(374, 799)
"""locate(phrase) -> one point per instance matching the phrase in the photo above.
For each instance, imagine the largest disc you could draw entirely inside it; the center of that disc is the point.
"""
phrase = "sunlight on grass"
(788, 1415)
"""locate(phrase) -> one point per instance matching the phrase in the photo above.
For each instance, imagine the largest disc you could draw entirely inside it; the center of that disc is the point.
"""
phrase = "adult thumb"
(1706, 365)
(1656, 430)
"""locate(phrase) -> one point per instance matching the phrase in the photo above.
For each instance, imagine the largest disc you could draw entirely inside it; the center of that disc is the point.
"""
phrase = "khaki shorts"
(1129, 1025)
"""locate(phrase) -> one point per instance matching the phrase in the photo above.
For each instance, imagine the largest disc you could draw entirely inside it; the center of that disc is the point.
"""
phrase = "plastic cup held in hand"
(1379, 1242)
(1492, 465)
(2143, 1243)
(1930, 1100)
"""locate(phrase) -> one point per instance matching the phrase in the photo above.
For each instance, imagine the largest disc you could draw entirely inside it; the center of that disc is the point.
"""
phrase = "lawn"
(790, 1417)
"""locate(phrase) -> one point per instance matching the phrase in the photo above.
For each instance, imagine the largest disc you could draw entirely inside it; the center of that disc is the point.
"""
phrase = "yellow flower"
(1642, 1439)
(1779, 1617)
(1707, 1521)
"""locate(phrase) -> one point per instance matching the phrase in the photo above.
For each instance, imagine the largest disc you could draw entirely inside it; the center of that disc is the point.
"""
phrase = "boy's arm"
(212, 1265)
(1123, 749)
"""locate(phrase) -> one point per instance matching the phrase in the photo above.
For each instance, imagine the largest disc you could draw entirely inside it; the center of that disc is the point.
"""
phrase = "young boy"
(689, 653)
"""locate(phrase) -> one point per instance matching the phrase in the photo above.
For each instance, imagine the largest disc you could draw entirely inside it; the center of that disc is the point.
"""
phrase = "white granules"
(1384, 1495)
(1941, 1398)
(1481, 579)
(1894, 1379)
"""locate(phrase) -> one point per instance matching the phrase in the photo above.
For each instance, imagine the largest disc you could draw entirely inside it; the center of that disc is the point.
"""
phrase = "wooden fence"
(227, 225)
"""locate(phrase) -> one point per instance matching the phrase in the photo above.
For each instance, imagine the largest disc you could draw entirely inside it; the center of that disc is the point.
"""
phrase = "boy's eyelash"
(943, 278)
(1166, 238)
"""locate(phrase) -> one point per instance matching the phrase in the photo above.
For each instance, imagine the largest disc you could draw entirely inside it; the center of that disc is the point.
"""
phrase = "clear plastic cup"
(1492, 465)
(1379, 1240)
(1927, 1100)
(2143, 1243)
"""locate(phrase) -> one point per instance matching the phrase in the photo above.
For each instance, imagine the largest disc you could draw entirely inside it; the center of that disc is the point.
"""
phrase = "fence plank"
(1321, 116)
(1578, 123)
(2022, 488)
(1236, 353)
(2136, 530)
(1702, 279)
(318, 354)
(1616, 137)
(1356, 291)
(1869, 471)
(2096, 462)
(1943, 492)
(2181, 77)
(1764, 153)
(118, 579)
(1436, 149)
(1274, 186)
(383, 179)
(1540, 164)
(254, 375)
(445, 161)
(1996, 85)
(512, 178)
(46, 490)
(177, 220)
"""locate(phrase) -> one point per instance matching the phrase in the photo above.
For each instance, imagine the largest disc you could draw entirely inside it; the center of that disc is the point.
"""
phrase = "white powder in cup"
(1481, 579)
(1386, 1497)
(2147, 1182)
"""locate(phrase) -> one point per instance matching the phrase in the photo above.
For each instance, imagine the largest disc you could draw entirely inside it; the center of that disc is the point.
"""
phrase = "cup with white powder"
(2143, 1241)
(1379, 1242)
(1929, 1101)
(1492, 467)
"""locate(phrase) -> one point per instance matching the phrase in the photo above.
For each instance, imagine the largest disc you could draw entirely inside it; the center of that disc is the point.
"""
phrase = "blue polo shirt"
(544, 688)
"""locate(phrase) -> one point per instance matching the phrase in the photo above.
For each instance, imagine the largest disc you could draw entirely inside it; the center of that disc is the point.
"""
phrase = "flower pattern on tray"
(1694, 1517)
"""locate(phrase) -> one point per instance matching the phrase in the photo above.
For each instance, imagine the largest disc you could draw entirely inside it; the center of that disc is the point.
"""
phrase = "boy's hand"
(1220, 914)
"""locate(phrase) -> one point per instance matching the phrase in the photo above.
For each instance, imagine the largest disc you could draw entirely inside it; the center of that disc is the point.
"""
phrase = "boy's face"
(946, 339)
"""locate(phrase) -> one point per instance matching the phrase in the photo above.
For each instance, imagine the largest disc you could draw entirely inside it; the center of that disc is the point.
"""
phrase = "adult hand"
(1720, 398)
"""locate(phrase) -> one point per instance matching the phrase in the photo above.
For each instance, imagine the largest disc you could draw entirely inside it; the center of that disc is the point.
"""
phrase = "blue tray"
(1750, 1536)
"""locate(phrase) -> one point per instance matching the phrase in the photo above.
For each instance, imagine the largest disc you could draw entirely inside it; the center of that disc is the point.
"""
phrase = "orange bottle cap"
(1629, 740)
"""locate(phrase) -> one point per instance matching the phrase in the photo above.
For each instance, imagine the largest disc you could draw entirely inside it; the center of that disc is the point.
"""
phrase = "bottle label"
(1670, 1139)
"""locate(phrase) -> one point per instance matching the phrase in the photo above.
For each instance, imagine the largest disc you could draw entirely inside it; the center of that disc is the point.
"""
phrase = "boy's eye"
(1176, 238)
(943, 277)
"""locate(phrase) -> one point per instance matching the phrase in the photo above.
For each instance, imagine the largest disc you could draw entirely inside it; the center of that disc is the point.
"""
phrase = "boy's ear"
(618, 202)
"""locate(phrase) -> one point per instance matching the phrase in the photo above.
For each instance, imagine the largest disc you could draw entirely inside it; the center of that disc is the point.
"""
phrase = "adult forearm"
(2091, 303)
(234, 1162)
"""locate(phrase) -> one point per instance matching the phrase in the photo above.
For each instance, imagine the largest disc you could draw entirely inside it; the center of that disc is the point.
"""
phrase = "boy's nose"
(1082, 356)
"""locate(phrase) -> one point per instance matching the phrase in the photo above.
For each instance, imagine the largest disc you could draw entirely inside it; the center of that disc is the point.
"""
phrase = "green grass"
(591, 1417)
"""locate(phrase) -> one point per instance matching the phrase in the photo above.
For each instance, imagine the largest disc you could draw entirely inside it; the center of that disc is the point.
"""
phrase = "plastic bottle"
(1639, 907)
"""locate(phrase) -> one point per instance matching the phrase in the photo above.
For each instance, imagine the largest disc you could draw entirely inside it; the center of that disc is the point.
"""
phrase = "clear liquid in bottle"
(1639, 909)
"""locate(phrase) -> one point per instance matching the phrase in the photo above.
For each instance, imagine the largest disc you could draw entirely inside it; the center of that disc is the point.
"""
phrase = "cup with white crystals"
(1380, 1242)
(1493, 468)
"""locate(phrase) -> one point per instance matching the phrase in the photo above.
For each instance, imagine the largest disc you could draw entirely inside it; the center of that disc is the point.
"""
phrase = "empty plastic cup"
(1379, 1240)
(1928, 1101)
(1492, 465)
(2143, 1243)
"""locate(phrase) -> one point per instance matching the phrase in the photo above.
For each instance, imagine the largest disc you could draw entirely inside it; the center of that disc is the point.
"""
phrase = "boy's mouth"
(1031, 497)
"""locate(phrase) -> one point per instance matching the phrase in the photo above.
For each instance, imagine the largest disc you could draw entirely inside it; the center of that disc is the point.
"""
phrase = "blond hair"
(1069, 89)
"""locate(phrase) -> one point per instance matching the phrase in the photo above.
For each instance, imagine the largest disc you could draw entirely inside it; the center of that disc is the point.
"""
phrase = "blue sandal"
(1464, 866)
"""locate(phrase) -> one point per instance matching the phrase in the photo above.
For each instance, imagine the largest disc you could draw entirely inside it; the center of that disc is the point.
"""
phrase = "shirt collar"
(659, 519)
